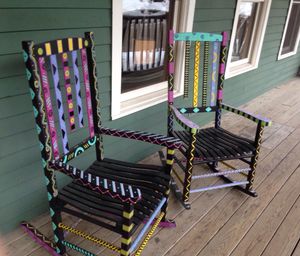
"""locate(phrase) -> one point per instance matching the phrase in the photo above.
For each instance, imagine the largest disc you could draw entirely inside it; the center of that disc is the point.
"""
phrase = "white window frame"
(283, 56)
(245, 65)
(123, 104)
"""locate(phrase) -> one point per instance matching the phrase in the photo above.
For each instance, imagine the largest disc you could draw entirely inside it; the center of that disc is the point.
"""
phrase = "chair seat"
(103, 209)
(217, 144)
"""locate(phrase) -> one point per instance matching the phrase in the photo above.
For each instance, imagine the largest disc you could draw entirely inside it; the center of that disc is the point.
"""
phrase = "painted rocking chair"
(212, 145)
(116, 195)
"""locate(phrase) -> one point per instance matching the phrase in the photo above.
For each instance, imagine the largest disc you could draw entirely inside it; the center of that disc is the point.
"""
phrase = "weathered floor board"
(225, 222)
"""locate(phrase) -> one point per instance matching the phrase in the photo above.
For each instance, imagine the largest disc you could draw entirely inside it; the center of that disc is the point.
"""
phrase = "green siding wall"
(22, 194)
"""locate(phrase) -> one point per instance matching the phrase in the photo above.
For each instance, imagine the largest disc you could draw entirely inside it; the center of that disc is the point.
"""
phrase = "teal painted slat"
(197, 36)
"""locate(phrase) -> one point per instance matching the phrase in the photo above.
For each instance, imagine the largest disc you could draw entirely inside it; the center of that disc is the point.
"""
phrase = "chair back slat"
(186, 69)
(205, 74)
(86, 81)
(213, 86)
(196, 74)
(48, 107)
(77, 87)
(59, 101)
(68, 88)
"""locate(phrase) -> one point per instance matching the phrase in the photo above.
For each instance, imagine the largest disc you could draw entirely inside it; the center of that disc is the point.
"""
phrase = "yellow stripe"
(126, 241)
(59, 46)
(125, 253)
(128, 215)
(127, 228)
(170, 162)
(196, 74)
(171, 151)
(48, 49)
(70, 43)
(80, 43)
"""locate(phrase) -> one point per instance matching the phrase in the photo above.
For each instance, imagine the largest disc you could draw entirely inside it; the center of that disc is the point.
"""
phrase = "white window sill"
(283, 56)
(136, 104)
(238, 70)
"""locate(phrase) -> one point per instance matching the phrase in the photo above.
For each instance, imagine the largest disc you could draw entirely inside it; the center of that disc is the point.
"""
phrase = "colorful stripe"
(48, 106)
(214, 74)
(86, 81)
(205, 74)
(61, 115)
(68, 91)
(196, 74)
(77, 86)
(197, 36)
(187, 69)
(170, 96)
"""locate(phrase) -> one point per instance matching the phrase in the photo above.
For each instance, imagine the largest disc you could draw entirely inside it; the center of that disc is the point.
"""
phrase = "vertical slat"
(61, 115)
(77, 86)
(205, 74)
(48, 107)
(196, 73)
(187, 69)
(86, 81)
(214, 74)
(170, 82)
(68, 90)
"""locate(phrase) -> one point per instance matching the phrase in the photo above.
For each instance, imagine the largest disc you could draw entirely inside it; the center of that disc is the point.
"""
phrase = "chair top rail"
(198, 36)
(60, 46)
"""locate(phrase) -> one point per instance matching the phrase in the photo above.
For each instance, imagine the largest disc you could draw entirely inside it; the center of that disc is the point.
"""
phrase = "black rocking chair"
(213, 145)
(116, 195)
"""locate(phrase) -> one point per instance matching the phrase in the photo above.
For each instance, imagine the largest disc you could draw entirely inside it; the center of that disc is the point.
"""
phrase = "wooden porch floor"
(226, 222)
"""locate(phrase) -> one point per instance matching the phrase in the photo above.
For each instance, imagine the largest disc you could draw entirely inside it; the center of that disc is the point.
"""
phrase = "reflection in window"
(245, 30)
(292, 30)
(145, 28)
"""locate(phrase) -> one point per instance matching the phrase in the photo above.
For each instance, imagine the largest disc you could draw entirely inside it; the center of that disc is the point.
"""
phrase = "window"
(291, 34)
(247, 36)
(139, 51)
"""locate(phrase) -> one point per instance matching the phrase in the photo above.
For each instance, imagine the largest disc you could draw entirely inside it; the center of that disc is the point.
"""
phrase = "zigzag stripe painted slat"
(104, 186)
(161, 140)
(214, 74)
(61, 115)
(48, 106)
(77, 86)
(87, 92)
(196, 74)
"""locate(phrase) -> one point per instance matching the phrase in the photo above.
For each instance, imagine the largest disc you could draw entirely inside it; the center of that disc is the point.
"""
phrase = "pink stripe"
(48, 106)
(171, 36)
(68, 91)
(170, 96)
(86, 81)
(222, 68)
(171, 68)
(220, 94)
(225, 38)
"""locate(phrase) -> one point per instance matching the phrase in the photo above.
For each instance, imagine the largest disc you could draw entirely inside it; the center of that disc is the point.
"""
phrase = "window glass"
(244, 31)
(145, 28)
(292, 31)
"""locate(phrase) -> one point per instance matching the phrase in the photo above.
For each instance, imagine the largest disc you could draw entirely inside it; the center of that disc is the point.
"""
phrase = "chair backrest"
(67, 62)
(205, 57)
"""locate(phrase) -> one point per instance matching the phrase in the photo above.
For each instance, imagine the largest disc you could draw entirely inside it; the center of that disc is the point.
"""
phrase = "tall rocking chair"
(203, 81)
(113, 194)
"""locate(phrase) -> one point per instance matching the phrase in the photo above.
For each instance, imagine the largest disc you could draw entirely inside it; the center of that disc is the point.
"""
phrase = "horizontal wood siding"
(22, 194)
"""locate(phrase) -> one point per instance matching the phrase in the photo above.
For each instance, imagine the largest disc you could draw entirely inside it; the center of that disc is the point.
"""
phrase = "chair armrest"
(125, 193)
(186, 123)
(153, 138)
(254, 118)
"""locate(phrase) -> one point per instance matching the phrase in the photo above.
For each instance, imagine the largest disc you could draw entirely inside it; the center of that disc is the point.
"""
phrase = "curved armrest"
(254, 118)
(157, 139)
(187, 124)
(123, 192)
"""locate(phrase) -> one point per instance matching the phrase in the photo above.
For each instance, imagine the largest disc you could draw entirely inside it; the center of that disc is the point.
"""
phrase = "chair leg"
(127, 226)
(58, 232)
(189, 173)
(254, 159)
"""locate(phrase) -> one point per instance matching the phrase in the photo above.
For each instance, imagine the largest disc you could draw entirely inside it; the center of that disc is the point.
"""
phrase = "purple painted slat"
(48, 107)
(214, 74)
(61, 115)
(77, 86)
(86, 81)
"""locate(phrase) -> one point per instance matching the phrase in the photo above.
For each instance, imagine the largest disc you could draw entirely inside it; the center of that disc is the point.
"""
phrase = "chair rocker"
(113, 194)
(203, 81)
